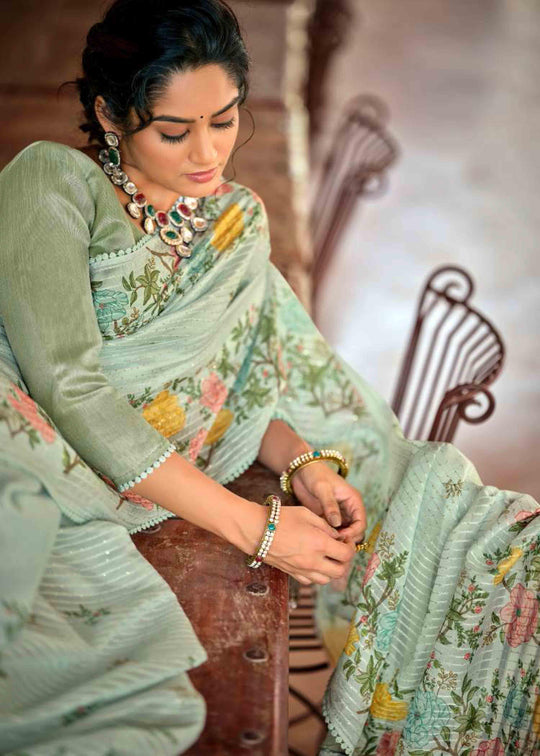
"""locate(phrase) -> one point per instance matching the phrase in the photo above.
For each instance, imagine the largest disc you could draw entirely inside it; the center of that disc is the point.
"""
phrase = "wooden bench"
(241, 618)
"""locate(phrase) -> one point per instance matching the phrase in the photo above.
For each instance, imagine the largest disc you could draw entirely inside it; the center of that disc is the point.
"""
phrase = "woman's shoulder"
(44, 157)
(45, 170)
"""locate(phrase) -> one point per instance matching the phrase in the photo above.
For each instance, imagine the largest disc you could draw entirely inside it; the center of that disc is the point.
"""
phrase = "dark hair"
(130, 55)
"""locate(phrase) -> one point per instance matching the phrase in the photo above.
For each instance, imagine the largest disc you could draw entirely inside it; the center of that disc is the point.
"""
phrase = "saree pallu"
(210, 350)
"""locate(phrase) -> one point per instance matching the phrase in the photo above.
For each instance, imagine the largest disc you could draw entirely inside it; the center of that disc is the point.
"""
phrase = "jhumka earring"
(177, 227)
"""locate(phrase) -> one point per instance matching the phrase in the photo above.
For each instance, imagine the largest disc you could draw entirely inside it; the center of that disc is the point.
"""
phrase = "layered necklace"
(177, 227)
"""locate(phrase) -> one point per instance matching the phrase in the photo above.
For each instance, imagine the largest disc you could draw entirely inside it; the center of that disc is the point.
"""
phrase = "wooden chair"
(356, 166)
(454, 353)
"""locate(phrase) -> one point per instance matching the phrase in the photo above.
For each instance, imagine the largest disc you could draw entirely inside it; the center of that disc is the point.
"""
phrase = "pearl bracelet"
(269, 531)
(307, 459)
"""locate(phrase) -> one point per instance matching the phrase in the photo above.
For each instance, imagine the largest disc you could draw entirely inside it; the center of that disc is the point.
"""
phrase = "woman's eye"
(179, 138)
(224, 125)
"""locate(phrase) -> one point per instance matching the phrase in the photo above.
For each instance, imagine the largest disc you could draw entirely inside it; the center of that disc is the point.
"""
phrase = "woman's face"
(185, 148)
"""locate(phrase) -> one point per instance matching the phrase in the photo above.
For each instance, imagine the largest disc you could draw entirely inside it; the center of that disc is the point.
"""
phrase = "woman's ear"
(100, 109)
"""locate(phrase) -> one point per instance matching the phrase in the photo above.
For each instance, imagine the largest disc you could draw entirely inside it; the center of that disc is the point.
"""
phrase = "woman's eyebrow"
(174, 119)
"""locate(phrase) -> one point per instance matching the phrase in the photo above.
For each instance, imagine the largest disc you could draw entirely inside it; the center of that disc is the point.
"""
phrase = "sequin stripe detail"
(159, 461)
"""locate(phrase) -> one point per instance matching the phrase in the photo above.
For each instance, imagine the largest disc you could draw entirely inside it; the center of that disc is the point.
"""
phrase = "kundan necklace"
(176, 227)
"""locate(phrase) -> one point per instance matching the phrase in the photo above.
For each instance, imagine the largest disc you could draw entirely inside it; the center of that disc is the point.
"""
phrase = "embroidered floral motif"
(110, 305)
(352, 639)
(29, 411)
(196, 444)
(214, 392)
(428, 714)
(388, 743)
(489, 748)
(520, 615)
(165, 414)
(384, 631)
(228, 227)
(89, 616)
(384, 707)
(371, 568)
(220, 425)
(453, 489)
(505, 565)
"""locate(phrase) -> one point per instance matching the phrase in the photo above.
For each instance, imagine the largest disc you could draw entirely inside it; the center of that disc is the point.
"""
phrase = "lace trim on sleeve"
(159, 461)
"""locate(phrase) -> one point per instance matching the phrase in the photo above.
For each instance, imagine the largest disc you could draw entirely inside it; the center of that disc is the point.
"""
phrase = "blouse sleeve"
(46, 215)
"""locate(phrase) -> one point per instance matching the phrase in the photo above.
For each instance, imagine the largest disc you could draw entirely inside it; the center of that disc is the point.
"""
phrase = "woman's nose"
(203, 152)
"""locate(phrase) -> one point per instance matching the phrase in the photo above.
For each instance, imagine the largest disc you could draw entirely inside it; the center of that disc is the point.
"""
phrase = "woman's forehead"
(192, 94)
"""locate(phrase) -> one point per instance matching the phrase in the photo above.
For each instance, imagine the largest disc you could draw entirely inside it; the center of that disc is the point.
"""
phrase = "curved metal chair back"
(454, 354)
(356, 166)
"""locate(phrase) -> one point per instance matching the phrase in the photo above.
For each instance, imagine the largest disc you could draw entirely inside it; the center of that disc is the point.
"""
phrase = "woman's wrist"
(280, 445)
(244, 524)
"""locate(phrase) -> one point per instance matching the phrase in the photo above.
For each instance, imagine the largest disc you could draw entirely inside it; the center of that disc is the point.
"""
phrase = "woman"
(147, 338)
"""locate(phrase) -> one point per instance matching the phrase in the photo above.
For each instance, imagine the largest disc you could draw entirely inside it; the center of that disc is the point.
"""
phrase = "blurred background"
(451, 97)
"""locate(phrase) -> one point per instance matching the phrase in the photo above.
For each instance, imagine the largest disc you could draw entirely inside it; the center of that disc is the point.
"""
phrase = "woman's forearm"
(280, 445)
(183, 489)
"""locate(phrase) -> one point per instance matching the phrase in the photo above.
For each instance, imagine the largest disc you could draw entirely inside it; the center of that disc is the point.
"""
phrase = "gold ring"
(361, 546)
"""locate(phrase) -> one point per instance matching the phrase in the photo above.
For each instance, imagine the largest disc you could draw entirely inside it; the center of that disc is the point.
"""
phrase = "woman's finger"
(340, 551)
(329, 503)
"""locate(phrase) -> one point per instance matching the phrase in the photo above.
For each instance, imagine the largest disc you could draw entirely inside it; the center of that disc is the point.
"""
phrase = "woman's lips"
(203, 176)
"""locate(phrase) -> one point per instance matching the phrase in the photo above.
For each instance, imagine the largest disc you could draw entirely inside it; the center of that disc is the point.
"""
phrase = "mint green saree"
(114, 351)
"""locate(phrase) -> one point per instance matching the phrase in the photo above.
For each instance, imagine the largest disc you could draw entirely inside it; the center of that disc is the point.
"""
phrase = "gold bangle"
(307, 459)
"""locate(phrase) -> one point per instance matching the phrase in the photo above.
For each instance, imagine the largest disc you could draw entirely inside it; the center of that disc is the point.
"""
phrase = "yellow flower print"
(223, 419)
(165, 414)
(383, 707)
(536, 717)
(506, 564)
(352, 638)
(372, 540)
(228, 227)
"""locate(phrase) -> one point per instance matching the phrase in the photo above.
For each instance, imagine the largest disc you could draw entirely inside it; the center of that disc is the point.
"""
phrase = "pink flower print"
(195, 445)
(371, 568)
(136, 499)
(214, 392)
(222, 189)
(524, 515)
(281, 364)
(388, 743)
(489, 748)
(29, 410)
(520, 615)
(467, 656)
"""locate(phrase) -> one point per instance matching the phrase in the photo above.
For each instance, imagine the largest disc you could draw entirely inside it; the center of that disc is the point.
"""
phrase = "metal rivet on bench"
(256, 655)
(259, 589)
(251, 737)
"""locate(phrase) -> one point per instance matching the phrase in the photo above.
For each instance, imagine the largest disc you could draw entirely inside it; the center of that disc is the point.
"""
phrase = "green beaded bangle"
(256, 560)
(307, 459)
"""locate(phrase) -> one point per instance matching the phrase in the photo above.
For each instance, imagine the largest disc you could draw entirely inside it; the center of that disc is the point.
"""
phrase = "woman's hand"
(324, 492)
(308, 549)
